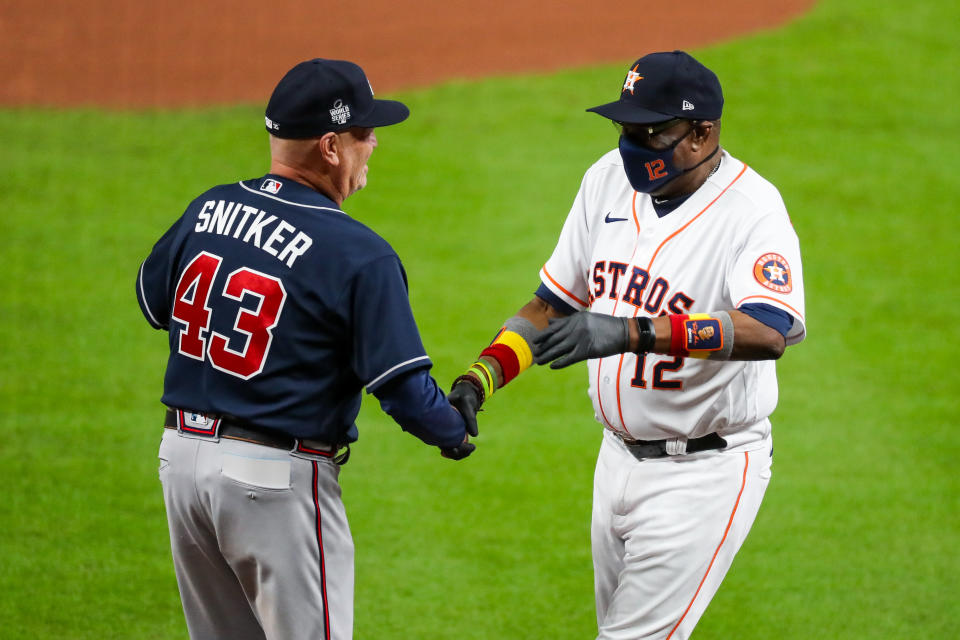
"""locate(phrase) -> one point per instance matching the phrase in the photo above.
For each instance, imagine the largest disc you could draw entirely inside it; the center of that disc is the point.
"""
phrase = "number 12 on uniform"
(659, 369)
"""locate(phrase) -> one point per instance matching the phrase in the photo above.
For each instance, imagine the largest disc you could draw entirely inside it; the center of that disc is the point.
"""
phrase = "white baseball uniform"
(665, 530)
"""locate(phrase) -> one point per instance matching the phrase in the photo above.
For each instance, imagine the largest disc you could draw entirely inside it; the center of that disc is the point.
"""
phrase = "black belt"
(214, 426)
(642, 449)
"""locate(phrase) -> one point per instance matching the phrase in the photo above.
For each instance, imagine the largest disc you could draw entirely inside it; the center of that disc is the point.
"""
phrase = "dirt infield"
(133, 53)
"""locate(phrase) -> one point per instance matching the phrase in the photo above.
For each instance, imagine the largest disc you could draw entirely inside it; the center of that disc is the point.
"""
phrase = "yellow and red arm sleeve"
(511, 351)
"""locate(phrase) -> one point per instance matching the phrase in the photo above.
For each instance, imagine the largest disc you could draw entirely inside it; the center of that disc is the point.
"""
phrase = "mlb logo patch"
(772, 271)
(271, 186)
(197, 420)
(197, 423)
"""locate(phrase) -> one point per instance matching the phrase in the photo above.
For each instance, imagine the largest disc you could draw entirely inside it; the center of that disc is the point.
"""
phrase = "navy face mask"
(647, 169)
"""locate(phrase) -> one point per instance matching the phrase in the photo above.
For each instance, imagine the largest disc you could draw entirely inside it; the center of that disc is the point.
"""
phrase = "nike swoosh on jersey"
(609, 219)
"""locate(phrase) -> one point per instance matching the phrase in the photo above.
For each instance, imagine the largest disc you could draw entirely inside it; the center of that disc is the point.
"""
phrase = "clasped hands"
(465, 399)
(564, 342)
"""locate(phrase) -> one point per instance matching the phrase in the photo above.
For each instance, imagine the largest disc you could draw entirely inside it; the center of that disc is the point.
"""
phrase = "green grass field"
(851, 111)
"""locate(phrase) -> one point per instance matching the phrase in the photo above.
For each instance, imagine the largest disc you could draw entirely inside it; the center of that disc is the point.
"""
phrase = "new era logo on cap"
(687, 105)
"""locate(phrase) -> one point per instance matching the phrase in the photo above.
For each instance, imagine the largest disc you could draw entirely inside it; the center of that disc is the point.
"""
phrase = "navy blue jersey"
(280, 309)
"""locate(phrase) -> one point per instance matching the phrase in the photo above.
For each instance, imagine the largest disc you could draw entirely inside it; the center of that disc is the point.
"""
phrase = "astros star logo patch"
(772, 271)
(632, 77)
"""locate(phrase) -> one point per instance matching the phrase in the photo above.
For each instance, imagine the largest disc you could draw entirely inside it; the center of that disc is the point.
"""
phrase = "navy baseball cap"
(666, 85)
(319, 96)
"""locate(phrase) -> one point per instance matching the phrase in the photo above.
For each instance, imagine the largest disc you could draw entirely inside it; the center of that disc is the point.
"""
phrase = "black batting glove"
(465, 398)
(458, 452)
(579, 337)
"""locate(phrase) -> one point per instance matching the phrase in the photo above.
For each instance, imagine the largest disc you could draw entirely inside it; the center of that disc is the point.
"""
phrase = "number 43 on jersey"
(191, 307)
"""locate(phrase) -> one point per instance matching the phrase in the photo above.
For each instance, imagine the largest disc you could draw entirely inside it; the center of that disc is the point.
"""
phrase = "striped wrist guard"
(481, 376)
(474, 382)
(511, 348)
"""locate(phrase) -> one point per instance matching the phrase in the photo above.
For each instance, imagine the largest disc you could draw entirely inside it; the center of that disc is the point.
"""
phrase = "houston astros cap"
(666, 85)
(318, 96)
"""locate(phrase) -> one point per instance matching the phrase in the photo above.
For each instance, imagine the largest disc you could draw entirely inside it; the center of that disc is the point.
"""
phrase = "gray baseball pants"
(260, 541)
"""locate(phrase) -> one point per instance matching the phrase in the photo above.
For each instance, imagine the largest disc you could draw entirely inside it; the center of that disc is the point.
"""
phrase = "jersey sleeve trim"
(380, 378)
(774, 317)
(799, 329)
(794, 312)
(562, 289)
(142, 297)
(544, 293)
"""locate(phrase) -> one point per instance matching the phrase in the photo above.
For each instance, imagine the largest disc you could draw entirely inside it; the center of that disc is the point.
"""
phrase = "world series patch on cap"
(319, 96)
